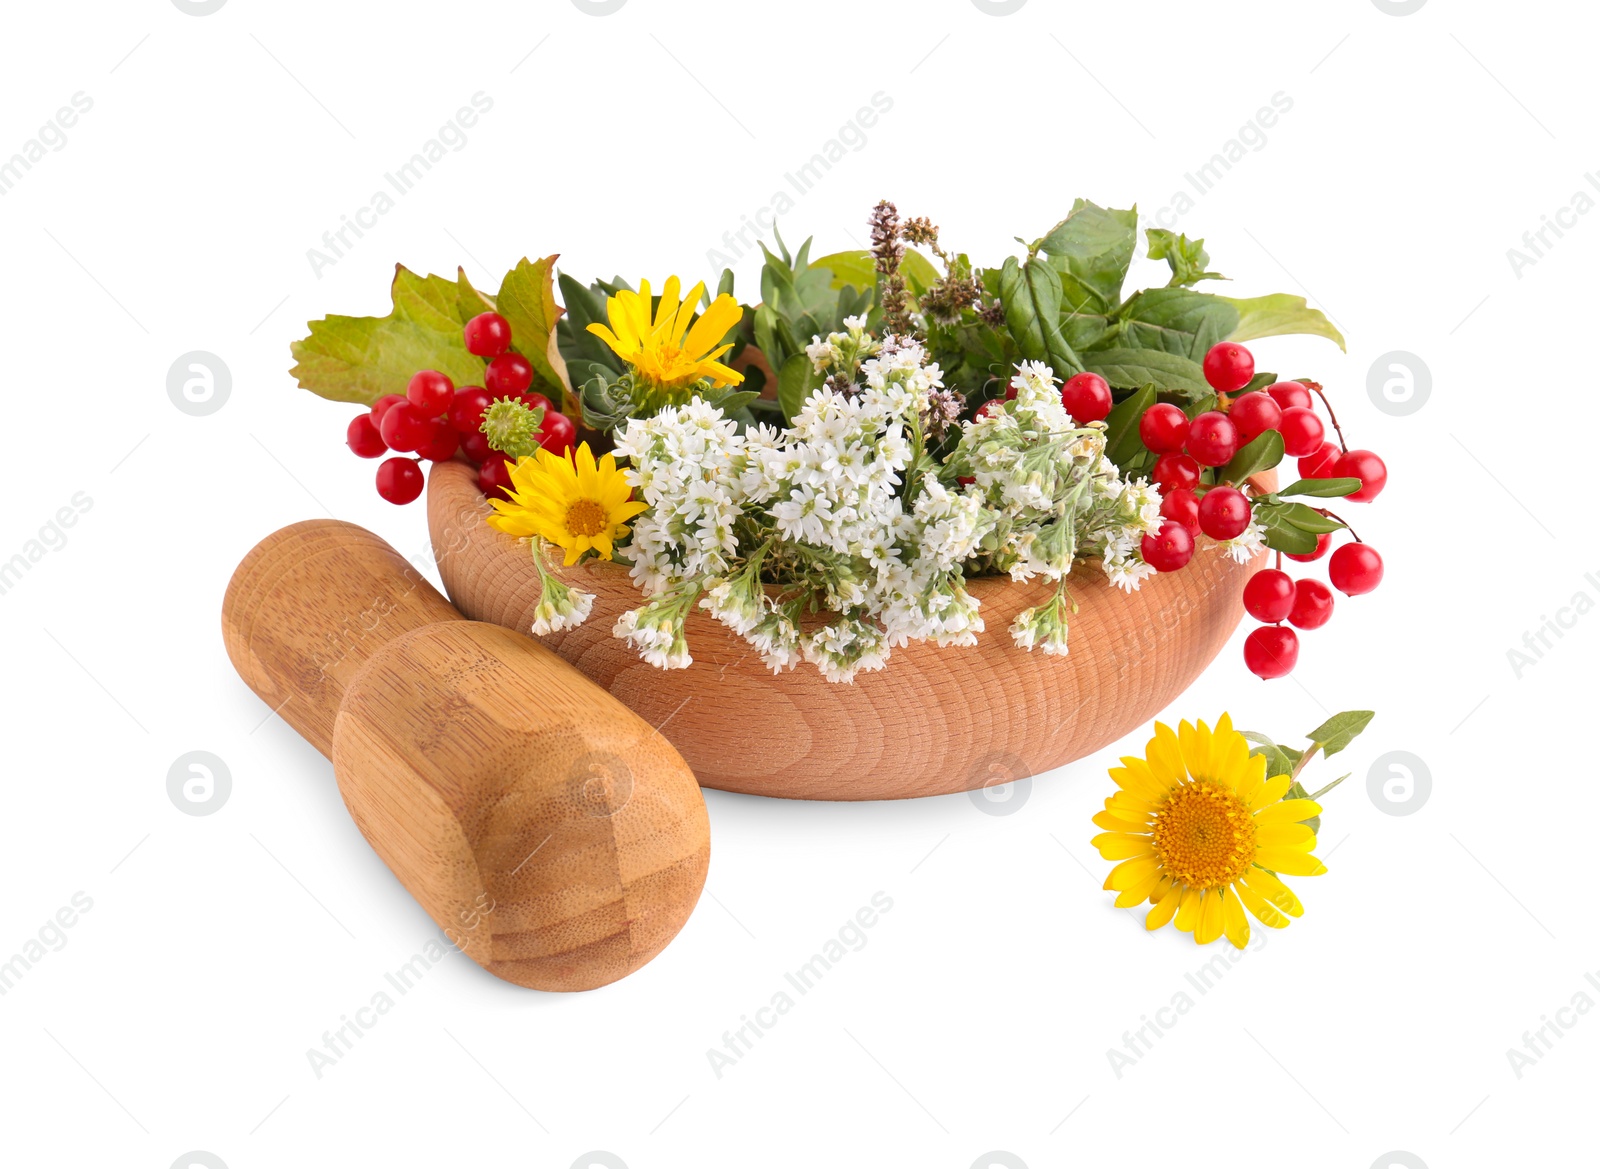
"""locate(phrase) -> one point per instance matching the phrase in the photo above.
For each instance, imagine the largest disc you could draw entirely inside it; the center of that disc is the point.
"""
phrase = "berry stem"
(1316, 388)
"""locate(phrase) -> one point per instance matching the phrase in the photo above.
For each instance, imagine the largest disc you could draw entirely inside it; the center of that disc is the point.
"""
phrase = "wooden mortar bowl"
(934, 720)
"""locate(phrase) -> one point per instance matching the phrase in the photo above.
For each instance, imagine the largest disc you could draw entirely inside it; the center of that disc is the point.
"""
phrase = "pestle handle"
(306, 609)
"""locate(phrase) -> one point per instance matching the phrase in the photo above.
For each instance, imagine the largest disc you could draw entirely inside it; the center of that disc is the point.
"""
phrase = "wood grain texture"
(558, 840)
(934, 721)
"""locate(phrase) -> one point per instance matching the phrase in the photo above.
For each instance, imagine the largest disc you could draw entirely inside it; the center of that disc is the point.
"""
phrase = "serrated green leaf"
(1321, 488)
(1122, 426)
(1280, 313)
(1132, 368)
(1094, 245)
(1340, 731)
(1261, 453)
(469, 301)
(359, 359)
(1187, 258)
(1176, 320)
(527, 300)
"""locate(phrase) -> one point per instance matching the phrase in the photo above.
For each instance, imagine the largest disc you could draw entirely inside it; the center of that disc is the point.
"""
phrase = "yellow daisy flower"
(1202, 832)
(569, 500)
(660, 353)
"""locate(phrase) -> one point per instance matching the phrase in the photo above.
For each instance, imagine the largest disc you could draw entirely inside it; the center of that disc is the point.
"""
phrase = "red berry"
(1169, 549)
(994, 407)
(1271, 651)
(1323, 540)
(557, 434)
(1173, 472)
(1355, 569)
(404, 428)
(1313, 604)
(1163, 428)
(466, 410)
(1301, 430)
(1182, 507)
(1224, 513)
(475, 445)
(1365, 466)
(1287, 394)
(441, 443)
(534, 401)
(430, 392)
(1254, 414)
(487, 335)
(1087, 397)
(508, 375)
(399, 480)
(1213, 440)
(1319, 463)
(1268, 595)
(362, 437)
(1228, 367)
(495, 474)
(384, 404)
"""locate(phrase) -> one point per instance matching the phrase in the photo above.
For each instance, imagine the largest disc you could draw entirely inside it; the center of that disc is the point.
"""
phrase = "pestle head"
(559, 840)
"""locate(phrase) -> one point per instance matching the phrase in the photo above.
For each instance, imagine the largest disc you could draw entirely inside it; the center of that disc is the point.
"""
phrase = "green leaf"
(527, 301)
(1277, 314)
(1123, 444)
(1321, 488)
(1187, 258)
(1177, 320)
(1260, 382)
(1281, 535)
(1261, 453)
(1340, 731)
(586, 355)
(1308, 519)
(469, 301)
(1094, 246)
(1131, 368)
(797, 379)
(359, 359)
(1278, 763)
(1031, 294)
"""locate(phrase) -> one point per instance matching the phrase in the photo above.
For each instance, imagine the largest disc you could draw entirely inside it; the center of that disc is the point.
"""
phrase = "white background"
(978, 1016)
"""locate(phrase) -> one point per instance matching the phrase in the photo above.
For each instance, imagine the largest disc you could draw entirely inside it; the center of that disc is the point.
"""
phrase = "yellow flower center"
(1205, 835)
(586, 517)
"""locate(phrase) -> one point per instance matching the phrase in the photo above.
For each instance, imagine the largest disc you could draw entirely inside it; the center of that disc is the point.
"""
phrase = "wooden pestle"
(559, 840)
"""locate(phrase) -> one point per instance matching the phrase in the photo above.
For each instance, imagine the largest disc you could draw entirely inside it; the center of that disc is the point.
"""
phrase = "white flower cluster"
(1055, 498)
(845, 514)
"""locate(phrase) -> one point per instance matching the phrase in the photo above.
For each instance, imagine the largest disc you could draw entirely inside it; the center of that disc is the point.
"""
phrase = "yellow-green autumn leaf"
(527, 300)
(359, 359)
(855, 269)
(1277, 314)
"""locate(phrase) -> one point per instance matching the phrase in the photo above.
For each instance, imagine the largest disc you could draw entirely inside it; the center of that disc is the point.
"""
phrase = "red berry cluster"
(1186, 447)
(434, 420)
